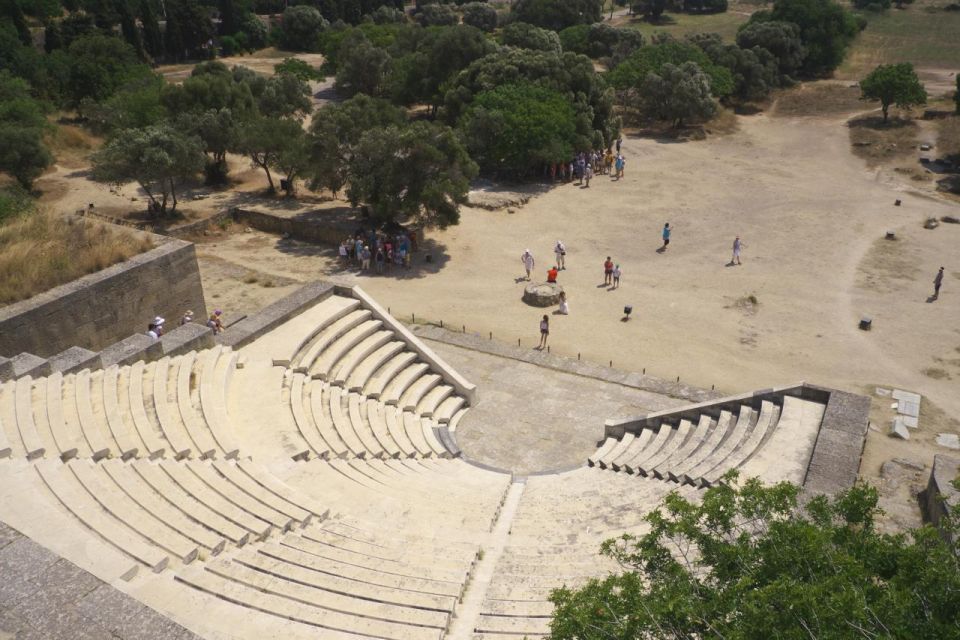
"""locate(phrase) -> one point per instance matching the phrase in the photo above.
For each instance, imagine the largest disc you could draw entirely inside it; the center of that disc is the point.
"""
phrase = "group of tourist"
(586, 164)
(155, 328)
(378, 250)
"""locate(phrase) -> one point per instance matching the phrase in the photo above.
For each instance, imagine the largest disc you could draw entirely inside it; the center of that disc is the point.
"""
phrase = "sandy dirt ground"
(812, 217)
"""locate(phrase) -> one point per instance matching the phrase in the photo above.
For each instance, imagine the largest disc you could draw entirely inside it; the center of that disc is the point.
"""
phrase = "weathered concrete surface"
(6, 369)
(139, 346)
(836, 455)
(249, 329)
(186, 338)
(74, 359)
(98, 309)
(542, 294)
(44, 597)
(27, 364)
(530, 418)
(941, 495)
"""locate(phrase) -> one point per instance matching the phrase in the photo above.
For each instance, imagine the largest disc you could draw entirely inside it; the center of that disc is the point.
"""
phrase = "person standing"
(561, 252)
(608, 271)
(666, 236)
(588, 173)
(528, 262)
(937, 282)
(544, 331)
(616, 276)
(737, 248)
(619, 142)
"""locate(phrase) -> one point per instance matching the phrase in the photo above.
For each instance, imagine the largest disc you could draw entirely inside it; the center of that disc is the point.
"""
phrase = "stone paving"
(44, 597)
(530, 418)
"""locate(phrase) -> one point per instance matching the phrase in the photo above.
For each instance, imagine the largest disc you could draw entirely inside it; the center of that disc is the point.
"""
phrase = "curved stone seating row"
(701, 451)
(387, 491)
(174, 408)
(337, 423)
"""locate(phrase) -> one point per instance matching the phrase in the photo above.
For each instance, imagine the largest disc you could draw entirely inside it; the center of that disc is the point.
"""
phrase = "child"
(616, 276)
(544, 331)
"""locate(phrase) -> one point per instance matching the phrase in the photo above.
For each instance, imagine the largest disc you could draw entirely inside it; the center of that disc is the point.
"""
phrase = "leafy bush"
(480, 15)
(302, 26)
(528, 36)
(633, 71)
(437, 15)
(517, 128)
(782, 39)
(557, 14)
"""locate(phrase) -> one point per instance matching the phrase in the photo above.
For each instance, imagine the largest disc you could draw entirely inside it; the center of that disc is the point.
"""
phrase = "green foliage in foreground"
(22, 124)
(633, 72)
(750, 562)
(893, 84)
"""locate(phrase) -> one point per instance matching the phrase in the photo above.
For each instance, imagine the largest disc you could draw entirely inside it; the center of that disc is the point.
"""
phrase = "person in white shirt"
(561, 252)
(528, 262)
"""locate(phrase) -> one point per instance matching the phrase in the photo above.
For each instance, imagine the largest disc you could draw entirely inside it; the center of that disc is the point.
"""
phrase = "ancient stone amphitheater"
(304, 480)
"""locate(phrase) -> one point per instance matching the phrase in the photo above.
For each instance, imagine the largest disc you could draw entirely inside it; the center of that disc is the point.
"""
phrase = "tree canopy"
(557, 14)
(421, 172)
(750, 561)
(782, 39)
(826, 30)
(893, 84)
(633, 71)
(480, 15)
(528, 36)
(678, 94)
(517, 128)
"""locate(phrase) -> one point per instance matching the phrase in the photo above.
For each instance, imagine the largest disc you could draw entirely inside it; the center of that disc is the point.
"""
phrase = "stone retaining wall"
(101, 308)
(330, 231)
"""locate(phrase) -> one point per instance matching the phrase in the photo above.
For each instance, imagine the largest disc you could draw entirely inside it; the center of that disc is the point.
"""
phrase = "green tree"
(782, 39)
(678, 94)
(152, 37)
(751, 561)
(189, 30)
(23, 154)
(755, 72)
(557, 14)
(302, 26)
(893, 84)
(229, 17)
(569, 74)
(527, 36)
(98, 66)
(421, 171)
(517, 128)
(12, 10)
(156, 157)
(136, 105)
(335, 132)
(632, 72)
(277, 144)
(298, 68)
(826, 30)
(255, 32)
(480, 15)
(129, 28)
(437, 15)
(362, 67)
(284, 95)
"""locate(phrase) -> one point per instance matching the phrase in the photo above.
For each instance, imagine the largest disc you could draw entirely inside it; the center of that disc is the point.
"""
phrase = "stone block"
(949, 440)
(131, 349)
(75, 359)
(908, 408)
(911, 421)
(275, 314)
(542, 294)
(940, 494)
(907, 396)
(6, 369)
(27, 364)
(898, 429)
(186, 338)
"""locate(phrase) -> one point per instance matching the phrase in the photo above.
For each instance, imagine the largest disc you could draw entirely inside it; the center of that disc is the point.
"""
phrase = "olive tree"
(893, 84)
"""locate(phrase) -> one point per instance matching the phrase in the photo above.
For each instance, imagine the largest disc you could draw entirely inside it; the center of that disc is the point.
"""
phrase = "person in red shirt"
(608, 271)
(552, 274)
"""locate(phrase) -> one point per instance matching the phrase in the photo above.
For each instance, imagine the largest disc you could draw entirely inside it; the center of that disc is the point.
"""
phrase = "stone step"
(769, 413)
(327, 337)
(737, 433)
(170, 424)
(341, 422)
(128, 443)
(203, 443)
(378, 424)
(338, 349)
(417, 391)
(709, 445)
(375, 386)
(403, 381)
(449, 409)
(332, 309)
(321, 412)
(304, 419)
(362, 427)
(699, 435)
(27, 364)
(357, 355)
(428, 404)
(150, 433)
(366, 368)
(217, 367)
(677, 439)
(395, 426)
(237, 496)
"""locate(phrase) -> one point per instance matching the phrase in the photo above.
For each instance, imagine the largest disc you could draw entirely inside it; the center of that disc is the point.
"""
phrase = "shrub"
(480, 15)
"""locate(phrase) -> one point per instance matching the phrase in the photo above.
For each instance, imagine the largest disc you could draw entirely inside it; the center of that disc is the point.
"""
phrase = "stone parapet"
(139, 346)
(186, 338)
(74, 359)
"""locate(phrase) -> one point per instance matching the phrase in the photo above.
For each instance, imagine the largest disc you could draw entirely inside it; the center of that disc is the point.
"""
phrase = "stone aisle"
(468, 612)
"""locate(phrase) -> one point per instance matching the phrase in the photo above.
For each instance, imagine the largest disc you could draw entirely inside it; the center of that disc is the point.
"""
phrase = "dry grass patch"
(877, 142)
(41, 250)
(817, 99)
(71, 145)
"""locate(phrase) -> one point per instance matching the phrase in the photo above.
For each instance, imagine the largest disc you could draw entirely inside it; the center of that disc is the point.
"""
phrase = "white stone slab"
(909, 408)
(949, 440)
(906, 396)
(910, 421)
(880, 391)
(898, 429)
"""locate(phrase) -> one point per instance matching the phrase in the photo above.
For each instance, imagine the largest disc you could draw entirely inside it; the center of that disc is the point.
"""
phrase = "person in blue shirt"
(666, 236)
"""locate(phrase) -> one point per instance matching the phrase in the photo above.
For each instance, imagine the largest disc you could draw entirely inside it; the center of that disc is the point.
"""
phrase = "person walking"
(528, 263)
(560, 251)
(616, 276)
(544, 332)
(618, 166)
(588, 174)
(937, 282)
(608, 271)
(564, 307)
(737, 248)
(619, 142)
(666, 236)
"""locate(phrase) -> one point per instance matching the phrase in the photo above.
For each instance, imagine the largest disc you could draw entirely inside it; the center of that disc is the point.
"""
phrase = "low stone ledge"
(272, 316)
(27, 364)
(74, 359)
(940, 495)
(186, 338)
(6, 369)
(446, 438)
(565, 364)
(139, 346)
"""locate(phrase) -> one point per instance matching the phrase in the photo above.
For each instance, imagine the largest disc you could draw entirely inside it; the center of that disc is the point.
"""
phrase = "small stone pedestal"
(542, 294)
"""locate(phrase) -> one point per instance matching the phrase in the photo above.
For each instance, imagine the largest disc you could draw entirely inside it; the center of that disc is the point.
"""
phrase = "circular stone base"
(542, 294)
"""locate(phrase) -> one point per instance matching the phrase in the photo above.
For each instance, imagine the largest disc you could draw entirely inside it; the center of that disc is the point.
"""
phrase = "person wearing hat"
(158, 325)
(187, 318)
(215, 322)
